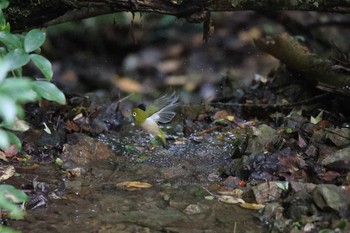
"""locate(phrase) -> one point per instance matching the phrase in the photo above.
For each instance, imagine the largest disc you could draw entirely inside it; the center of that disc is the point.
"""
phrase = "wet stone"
(329, 196)
(73, 186)
(195, 209)
(267, 192)
(82, 150)
(338, 160)
(296, 210)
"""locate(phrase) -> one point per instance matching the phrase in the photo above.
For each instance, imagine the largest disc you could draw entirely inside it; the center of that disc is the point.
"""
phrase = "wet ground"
(94, 202)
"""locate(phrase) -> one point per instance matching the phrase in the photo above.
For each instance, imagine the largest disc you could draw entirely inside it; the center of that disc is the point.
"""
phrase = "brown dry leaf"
(301, 141)
(290, 162)
(128, 85)
(176, 80)
(169, 66)
(252, 206)
(234, 193)
(321, 125)
(220, 114)
(230, 199)
(247, 123)
(3, 156)
(6, 172)
(29, 168)
(11, 151)
(249, 35)
(72, 127)
(329, 175)
(133, 185)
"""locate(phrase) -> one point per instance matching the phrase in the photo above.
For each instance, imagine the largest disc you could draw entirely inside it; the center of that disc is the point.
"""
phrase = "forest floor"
(254, 146)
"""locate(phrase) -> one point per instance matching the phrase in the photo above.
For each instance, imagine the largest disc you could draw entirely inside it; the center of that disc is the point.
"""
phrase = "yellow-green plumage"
(161, 110)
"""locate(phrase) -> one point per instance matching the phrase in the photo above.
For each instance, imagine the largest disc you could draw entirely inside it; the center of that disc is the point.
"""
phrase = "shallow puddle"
(175, 202)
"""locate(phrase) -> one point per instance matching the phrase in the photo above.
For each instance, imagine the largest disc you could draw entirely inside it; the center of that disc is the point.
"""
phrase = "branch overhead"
(26, 14)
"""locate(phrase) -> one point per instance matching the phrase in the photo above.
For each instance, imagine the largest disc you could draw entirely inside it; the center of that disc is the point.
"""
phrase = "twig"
(309, 101)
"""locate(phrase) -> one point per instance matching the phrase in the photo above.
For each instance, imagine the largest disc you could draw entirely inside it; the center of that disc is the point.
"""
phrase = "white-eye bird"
(160, 111)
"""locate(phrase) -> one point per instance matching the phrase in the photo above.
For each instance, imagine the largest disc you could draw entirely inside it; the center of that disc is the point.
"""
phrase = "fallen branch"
(288, 50)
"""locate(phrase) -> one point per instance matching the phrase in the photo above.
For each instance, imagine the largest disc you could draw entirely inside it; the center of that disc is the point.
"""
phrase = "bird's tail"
(161, 135)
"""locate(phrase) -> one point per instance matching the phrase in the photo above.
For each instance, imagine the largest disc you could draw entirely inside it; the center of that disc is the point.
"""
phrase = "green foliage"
(10, 197)
(17, 51)
(7, 230)
(10, 200)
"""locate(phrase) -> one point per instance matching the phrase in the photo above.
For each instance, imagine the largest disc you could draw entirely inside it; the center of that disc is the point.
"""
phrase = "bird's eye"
(134, 114)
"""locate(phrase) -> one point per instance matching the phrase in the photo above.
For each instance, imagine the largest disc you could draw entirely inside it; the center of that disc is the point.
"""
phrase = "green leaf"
(17, 72)
(33, 40)
(9, 197)
(4, 229)
(19, 89)
(13, 139)
(43, 64)
(4, 140)
(17, 125)
(13, 194)
(49, 91)
(4, 4)
(4, 68)
(8, 109)
(282, 185)
(4, 26)
(16, 59)
(3, 51)
(10, 40)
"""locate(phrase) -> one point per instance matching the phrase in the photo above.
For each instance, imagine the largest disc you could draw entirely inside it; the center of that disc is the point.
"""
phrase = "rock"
(73, 186)
(297, 210)
(262, 136)
(302, 187)
(342, 154)
(82, 150)
(195, 209)
(329, 196)
(267, 192)
(339, 136)
(274, 212)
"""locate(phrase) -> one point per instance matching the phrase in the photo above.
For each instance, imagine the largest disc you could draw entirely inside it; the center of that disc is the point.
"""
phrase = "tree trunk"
(26, 14)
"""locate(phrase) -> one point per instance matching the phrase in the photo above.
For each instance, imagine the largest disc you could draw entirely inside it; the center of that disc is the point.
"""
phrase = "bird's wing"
(162, 110)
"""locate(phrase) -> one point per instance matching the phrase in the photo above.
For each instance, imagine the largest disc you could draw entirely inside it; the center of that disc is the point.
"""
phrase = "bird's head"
(138, 115)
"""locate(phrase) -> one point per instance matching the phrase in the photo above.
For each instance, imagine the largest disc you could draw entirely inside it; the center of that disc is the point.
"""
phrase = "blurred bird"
(160, 111)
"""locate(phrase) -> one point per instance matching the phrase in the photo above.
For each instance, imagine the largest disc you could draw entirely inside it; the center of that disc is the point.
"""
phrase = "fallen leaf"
(230, 118)
(133, 185)
(282, 185)
(252, 206)
(31, 167)
(317, 119)
(128, 85)
(321, 125)
(220, 114)
(6, 172)
(209, 198)
(46, 129)
(301, 141)
(11, 151)
(234, 193)
(230, 199)
(329, 175)
(3, 156)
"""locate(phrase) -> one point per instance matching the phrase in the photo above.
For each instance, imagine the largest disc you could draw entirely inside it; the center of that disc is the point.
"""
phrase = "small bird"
(160, 111)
